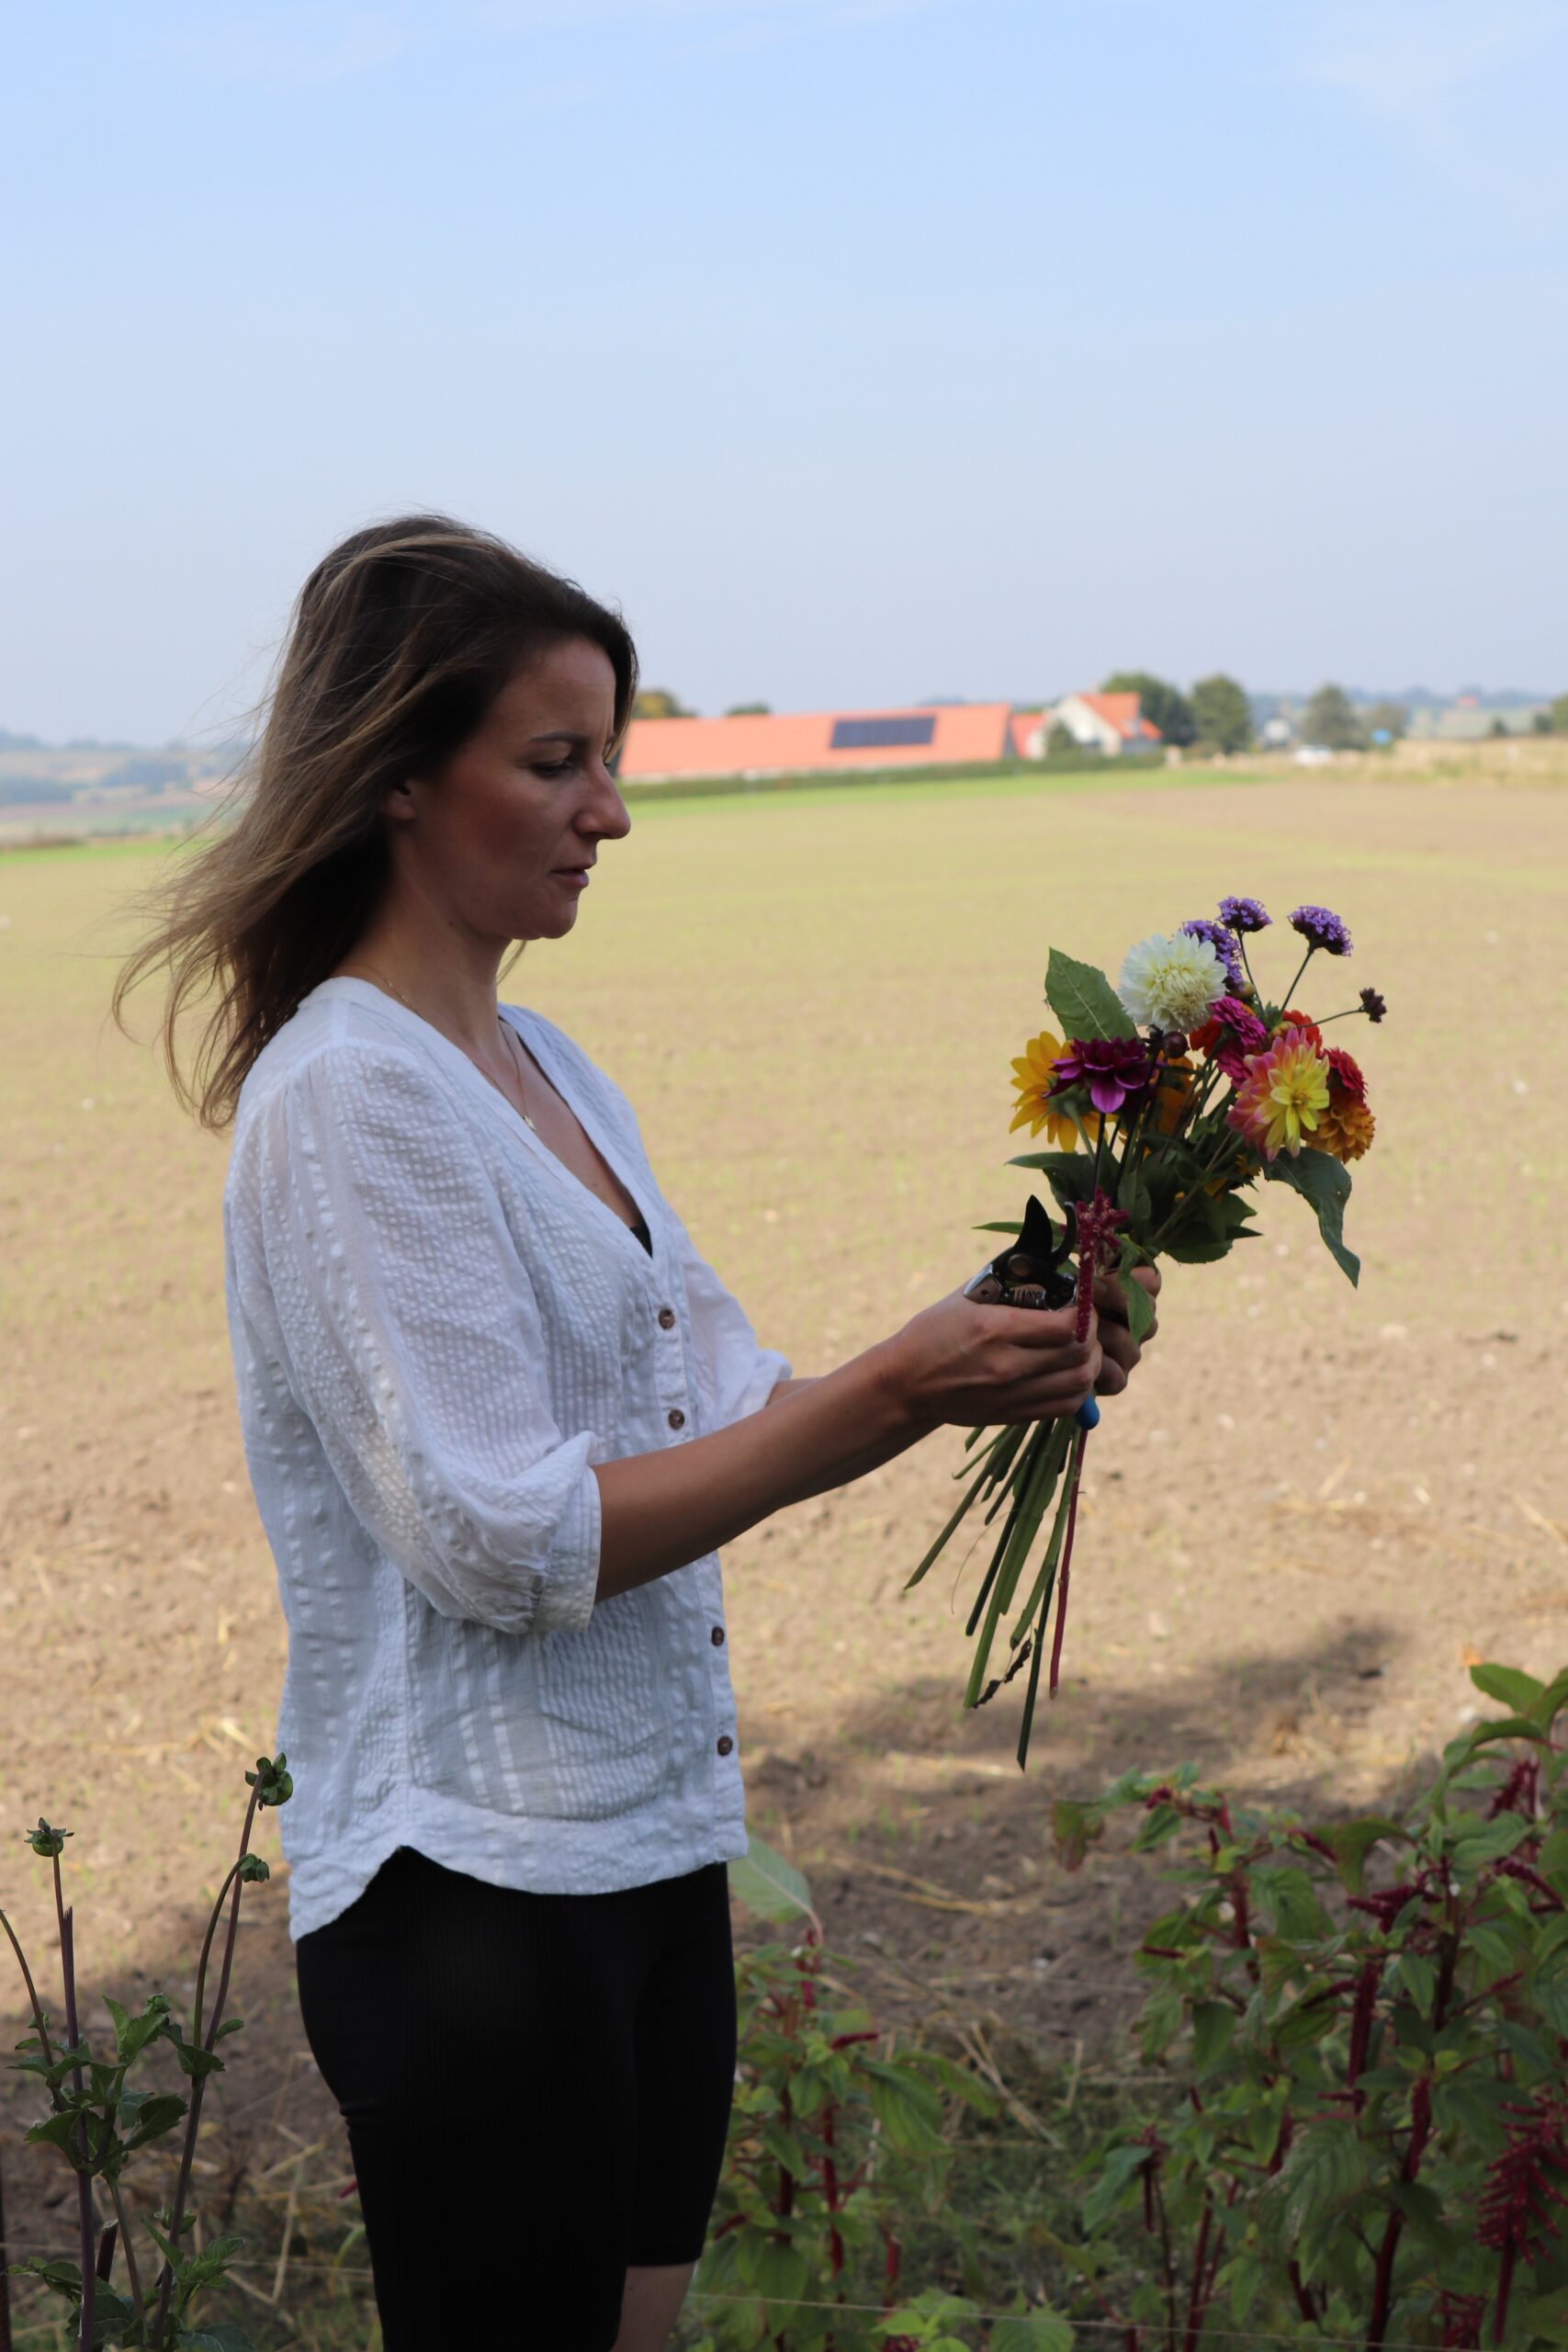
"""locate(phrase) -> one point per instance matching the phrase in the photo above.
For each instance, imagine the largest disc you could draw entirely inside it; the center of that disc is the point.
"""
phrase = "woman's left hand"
(1120, 1350)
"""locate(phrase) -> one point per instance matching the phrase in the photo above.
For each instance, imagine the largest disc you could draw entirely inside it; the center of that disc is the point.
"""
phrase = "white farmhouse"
(1108, 723)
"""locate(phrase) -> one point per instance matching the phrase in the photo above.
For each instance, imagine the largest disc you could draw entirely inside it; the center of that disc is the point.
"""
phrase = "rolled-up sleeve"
(409, 1336)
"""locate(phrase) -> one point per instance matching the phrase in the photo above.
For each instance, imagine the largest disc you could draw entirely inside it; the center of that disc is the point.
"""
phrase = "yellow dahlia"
(1033, 1074)
(1282, 1097)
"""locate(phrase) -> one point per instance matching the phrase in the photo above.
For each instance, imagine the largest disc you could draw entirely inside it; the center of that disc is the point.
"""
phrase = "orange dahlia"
(1346, 1129)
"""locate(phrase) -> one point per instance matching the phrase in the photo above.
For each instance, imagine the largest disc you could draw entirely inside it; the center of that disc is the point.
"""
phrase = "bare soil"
(1313, 1511)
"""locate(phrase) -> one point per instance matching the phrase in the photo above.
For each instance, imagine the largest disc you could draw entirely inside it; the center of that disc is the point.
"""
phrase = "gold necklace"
(380, 979)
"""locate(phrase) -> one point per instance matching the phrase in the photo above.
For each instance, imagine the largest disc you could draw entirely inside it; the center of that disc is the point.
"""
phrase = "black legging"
(537, 2088)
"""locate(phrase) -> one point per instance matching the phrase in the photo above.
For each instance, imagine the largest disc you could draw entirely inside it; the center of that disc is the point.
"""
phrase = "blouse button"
(725, 1744)
(717, 1637)
(667, 1318)
(676, 1418)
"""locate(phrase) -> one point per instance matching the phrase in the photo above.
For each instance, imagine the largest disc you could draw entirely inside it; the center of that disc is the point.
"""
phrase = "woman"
(499, 1416)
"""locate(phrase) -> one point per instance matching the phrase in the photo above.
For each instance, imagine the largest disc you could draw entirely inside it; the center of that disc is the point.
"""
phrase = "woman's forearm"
(660, 1510)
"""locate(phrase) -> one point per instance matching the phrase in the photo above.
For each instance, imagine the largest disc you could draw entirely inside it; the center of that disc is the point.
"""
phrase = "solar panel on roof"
(882, 734)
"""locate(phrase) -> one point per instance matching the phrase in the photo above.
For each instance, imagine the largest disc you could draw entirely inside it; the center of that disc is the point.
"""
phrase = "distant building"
(822, 741)
(1108, 723)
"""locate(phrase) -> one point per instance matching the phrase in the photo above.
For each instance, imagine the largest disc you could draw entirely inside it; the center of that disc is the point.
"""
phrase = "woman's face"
(501, 841)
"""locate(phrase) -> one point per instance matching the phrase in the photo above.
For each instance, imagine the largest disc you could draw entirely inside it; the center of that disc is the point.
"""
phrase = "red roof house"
(825, 741)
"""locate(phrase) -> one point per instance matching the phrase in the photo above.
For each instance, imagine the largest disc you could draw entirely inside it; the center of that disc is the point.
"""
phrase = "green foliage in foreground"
(96, 2122)
(1366, 2024)
(1356, 2128)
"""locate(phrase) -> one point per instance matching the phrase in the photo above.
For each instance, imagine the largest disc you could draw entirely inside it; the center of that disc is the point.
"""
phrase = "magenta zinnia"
(1282, 1095)
(1230, 1035)
(1109, 1068)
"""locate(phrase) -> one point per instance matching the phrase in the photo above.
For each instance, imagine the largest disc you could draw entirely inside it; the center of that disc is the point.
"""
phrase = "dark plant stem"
(1382, 2281)
(233, 1887)
(1195, 2302)
(33, 2001)
(1167, 2266)
(83, 2179)
(106, 2251)
(133, 2268)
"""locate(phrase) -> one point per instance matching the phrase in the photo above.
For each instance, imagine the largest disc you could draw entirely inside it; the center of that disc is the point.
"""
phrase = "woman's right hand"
(959, 1362)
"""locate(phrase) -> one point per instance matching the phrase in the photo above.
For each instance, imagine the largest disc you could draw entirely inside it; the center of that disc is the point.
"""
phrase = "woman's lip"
(576, 875)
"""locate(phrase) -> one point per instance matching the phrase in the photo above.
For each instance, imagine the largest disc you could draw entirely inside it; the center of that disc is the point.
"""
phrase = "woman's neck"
(448, 980)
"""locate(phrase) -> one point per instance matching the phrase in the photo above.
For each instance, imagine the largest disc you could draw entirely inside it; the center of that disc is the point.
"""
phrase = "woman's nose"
(606, 815)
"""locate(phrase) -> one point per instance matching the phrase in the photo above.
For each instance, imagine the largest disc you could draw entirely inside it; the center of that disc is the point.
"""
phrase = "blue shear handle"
(1087, 1413)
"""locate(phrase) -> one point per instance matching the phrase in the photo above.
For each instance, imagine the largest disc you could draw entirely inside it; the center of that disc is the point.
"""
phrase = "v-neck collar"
(528, 1026)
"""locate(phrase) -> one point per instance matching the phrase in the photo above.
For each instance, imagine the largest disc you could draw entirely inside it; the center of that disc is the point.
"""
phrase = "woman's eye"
(554, 767)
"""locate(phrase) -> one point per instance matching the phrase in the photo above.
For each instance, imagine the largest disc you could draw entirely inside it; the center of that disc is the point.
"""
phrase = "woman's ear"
(398, 802)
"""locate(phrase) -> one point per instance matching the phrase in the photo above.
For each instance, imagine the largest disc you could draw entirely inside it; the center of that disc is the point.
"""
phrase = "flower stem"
(1295, 984)
(192, 2121)
(33, 2000)
(83, 2179)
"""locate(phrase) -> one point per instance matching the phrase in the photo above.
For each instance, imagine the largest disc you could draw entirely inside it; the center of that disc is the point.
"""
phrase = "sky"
(863, 351)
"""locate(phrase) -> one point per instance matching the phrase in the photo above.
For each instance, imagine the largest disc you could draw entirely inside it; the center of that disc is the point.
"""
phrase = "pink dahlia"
(1345, 1075)
(1110, 1068)
(1282, 1097)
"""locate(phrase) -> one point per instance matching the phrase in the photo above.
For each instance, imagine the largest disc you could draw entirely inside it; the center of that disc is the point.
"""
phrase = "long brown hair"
(400, 642)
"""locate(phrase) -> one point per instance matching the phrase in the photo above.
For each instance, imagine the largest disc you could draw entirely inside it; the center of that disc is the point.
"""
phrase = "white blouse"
(437, 1330)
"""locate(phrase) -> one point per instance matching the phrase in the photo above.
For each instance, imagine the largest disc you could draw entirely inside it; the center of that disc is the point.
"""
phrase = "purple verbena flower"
(1244, 914)
(1110, 1068)
(1320, 928)
(1224, 947)
(1372, 1004)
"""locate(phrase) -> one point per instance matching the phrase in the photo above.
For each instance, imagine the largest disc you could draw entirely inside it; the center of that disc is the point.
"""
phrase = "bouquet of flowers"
(1165, 1099)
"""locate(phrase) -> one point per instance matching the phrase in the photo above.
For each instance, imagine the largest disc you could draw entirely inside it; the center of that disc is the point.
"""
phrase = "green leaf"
(1325, 1185)
(132, 2035)
(1213, 2024)
(765, 1883)
(56, 2132)
(1039, 2332)
(1120, 2169)
(149, 2115)
(1288, 1892)
(1326, 2165)
(1140, 1307)
(1084, 1000)
(1419, 1979)
(223, 2336)
(1076, 1829)
(908, 2110)
(778, 2271)
(1547, 2315)
(1192, 1249)
(1353, 1841)
(1510, 1686)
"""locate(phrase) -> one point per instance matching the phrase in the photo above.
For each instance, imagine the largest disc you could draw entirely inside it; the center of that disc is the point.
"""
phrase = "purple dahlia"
(1110, 1068)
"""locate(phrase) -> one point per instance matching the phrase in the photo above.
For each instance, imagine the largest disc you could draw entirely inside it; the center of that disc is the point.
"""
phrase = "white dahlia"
(1171, 983)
